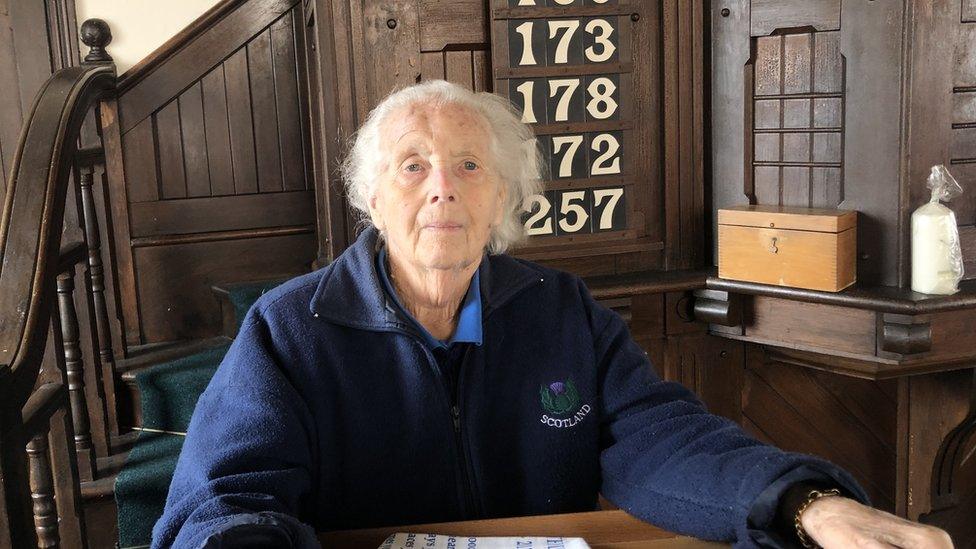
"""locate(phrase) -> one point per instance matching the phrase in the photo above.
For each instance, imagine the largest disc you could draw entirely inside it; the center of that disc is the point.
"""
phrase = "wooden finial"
(96, 34)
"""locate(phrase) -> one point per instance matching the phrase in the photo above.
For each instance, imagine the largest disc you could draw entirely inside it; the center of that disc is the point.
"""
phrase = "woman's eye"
(469, 165)
(413, 167)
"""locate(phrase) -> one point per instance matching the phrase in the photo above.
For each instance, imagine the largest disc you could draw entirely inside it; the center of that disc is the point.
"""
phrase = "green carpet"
(169, 392)
(141, 486)
(242, 296)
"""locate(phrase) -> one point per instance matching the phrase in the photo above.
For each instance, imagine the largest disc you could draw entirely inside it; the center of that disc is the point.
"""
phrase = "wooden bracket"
(905, 334)
(717, 307)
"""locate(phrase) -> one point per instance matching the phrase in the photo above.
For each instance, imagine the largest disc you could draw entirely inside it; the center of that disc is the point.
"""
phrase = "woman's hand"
(836, 522)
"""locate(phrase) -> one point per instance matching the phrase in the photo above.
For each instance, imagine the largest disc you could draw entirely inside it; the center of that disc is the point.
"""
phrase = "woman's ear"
(374, 213)
(500, 205)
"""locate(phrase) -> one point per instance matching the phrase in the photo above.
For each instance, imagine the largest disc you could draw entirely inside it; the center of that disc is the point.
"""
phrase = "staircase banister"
(33, 216)
(41, 406)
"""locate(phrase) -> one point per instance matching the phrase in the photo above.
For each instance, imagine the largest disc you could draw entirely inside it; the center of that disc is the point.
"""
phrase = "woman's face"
(439, 197)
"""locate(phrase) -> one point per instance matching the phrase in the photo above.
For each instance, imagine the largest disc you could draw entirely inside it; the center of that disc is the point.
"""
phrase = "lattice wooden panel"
(798, 114)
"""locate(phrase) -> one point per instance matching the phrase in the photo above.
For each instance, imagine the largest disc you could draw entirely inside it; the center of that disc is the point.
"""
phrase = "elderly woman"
(425, 376)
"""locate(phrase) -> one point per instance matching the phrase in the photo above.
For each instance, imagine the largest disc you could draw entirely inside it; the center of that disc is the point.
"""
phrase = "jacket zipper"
(457, 403)
(460, 465)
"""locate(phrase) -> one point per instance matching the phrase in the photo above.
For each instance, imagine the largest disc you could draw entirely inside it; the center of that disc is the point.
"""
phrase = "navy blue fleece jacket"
(330, 412)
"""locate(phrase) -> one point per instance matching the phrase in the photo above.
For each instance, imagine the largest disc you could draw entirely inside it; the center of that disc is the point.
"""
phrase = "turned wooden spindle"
(96, 275)
(96, 34)
(75, 374)
(42, 492)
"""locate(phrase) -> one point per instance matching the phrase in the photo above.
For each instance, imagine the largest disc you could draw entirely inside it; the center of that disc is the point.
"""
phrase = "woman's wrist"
(799, 526)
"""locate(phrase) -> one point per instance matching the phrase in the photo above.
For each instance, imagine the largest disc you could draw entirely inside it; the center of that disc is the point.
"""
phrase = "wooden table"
(600, 529)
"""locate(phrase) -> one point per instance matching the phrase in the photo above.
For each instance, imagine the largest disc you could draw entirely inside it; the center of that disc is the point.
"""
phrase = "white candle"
(936, 258)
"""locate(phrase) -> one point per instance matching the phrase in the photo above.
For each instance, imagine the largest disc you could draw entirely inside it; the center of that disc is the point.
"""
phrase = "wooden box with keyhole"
(807, 248)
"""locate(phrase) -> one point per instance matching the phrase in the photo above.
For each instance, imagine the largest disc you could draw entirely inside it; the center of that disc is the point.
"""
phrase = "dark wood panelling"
(63, 24)
(200, 215)
(844, 330)
(871, 43)
(385, 58)
(870, 403)
(116, 198)
(852, 103)
(31, 49)
(769, 15)
(854, 442)
(962, 146)
(710, 366)
(682, 136)
(930, 408)
(144, 93)
(967, 241)
(217, 122)
(222, 161)
(796, 411)
(481, 69)
(731, 108)
(305, 99)
(139, 149)
(175, 299)
(448, 22)
(261, 75)
(290, 141)
(952, 334)
(328, 47)
(432, 66)
(317, 53)
(35, 39)
(169, 140)
(241, 123)
(11, 115)
(195, 155)
(458, 68)
(958, 519)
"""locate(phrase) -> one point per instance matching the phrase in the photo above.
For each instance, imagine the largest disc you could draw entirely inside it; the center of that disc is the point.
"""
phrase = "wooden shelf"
(882, 299)
(645, 282)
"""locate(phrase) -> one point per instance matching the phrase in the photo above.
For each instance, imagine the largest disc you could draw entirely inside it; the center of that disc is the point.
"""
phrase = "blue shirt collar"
(468, 328)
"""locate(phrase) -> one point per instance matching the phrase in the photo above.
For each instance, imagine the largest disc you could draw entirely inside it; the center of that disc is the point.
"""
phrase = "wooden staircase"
(147, 356)
(90, 189)
(71, 407)
(98, 496)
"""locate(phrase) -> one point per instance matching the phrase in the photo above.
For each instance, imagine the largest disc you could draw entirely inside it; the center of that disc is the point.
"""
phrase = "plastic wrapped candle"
(936, 254)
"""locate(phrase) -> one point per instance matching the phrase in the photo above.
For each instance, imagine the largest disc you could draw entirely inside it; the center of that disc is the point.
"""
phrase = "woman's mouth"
(442, 226)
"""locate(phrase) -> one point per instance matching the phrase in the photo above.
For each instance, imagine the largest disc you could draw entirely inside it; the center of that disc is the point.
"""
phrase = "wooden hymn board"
(568, 68)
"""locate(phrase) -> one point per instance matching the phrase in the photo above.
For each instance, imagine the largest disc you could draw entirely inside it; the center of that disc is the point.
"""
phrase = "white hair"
(514, 155)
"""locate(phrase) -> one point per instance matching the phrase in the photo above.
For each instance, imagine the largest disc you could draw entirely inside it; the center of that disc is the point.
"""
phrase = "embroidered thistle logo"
(559, 398)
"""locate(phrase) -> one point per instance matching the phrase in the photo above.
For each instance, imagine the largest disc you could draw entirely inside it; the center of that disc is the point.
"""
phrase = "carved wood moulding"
(863, 332)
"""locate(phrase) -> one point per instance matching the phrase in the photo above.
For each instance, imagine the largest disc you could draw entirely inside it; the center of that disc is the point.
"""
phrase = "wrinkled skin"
(436, 205)
(841, 523)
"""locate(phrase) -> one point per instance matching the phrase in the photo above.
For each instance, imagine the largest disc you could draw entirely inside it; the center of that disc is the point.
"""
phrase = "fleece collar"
(350, 292)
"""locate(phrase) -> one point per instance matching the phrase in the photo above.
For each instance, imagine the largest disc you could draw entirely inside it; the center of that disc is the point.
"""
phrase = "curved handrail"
(33, 217)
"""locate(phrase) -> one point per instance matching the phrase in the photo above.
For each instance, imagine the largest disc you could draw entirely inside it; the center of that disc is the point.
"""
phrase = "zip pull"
(456, 414)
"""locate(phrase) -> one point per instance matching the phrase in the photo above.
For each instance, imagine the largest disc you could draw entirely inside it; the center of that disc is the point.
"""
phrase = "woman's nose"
(442, 187)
